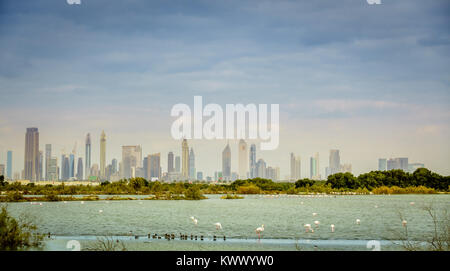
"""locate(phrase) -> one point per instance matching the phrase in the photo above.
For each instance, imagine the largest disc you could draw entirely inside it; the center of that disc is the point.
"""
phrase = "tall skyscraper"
(41, 165)
(402, 163)
(102, 154)
(71, 165)
(9, 164)
(146, 166)
(66, 173)
(88, 156)
(243, 160)
(295, 167)
(192, 174)
(170, 167)
(382, 164)
(226, 163)
(80, 169)
(48, 156)
(178, 164)
(114, 166)
(335, 161)
(252, 160)
(154, 167)
(261, 169)
(314, 167)
(131, 159)
(52, 169)
(185, 156)
(31, 165)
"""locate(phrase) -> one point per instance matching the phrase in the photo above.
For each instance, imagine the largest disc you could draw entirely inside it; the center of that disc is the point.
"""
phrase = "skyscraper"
(31, 165)
(131, 159)
(80, 169)
(9, 165)
(52, 169)
(102, 154)
(66, 172)
(71, 165)
(335, 161)
(88, 156)
(261, 169)
(114, 166)
(252, 160)
(243, 160)
(185, 158)
(178, 164)
(314, 167)
(48, 156)
(295, 167)
(226, 163)
(170, 167)
(41, 165)
(154, 161)
(192, 165)
(382, 164)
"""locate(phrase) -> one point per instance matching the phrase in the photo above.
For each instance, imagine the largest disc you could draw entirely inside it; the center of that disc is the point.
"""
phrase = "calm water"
(283, 217)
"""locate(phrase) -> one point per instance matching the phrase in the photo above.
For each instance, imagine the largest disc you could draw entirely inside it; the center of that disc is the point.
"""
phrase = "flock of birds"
(258, 230)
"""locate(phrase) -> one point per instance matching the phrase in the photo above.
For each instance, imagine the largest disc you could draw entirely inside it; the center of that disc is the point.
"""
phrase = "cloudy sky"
(369, 80)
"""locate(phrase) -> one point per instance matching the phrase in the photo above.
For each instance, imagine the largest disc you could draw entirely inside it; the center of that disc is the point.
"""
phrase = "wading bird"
(194, 220)
(316, 223)
(307, 227)
(259, 230)
(332, 227)
(218, 226)
(358, 221)
(404, 222)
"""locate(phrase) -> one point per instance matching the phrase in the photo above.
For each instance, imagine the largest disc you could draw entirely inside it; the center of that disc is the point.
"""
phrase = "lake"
(283, 217)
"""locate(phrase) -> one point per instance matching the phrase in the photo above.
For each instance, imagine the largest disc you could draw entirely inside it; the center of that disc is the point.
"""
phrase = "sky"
(369, 80)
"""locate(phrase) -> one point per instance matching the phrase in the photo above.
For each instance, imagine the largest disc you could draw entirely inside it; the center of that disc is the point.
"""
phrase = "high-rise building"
(243, 159)
(131, 159)
(146, 168)
(48, 156)
(114, 168)
(335, 162)
(31, 165)
(154, 166)
(402, 163)
(261, 169)
(392, 164)
(252, 159)
(382, 164)
(273, 173)
(66, 172)
(346, 168)
(178, 164)
(200, 176)
(52, 169)
(41, 165)
(88, 156)
(71, 165)
(80, 169)
(314, 167)
(9, 164)
(102, 154)
(295, 167)
(226, 163)
(170, 167)
(192, 165)
(185, 159)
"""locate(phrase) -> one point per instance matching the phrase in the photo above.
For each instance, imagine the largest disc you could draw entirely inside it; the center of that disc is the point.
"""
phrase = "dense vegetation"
(378, 182)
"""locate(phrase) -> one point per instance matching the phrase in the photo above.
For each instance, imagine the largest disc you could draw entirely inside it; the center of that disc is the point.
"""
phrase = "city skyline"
(131, 164)
(372, 82)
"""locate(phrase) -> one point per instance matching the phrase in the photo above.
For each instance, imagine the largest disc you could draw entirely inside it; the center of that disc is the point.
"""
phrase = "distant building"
(9, 165)
(53, 169)
(200, 176)
(185, 159)
(346, 168)
(273, 173)
(80, 169)
(88, 156)
(192, 165)
(382, 164)
(154, 166)
(2, 170)
(315, 167)
(102, 155)
(170, 165)
(178, 164)
(243, 159)
(48, 156)
(392, 164)
(261, 169)
(226, 163)
(131, 159)
(31, 165)
(252, 159)
(335, 162)
(295, 165)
